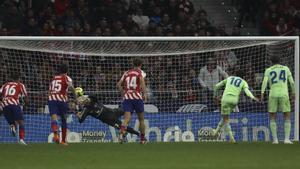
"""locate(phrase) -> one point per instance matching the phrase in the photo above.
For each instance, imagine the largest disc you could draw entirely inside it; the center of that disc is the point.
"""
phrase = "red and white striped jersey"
(132, 86)
(11, 92)
(58, 88)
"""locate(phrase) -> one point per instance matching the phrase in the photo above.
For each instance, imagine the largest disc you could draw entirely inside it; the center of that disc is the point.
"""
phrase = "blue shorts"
(13, 113)
(58, 107)
(133, 105)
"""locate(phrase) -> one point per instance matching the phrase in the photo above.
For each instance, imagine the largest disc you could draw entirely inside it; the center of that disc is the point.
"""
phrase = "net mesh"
(180, 79)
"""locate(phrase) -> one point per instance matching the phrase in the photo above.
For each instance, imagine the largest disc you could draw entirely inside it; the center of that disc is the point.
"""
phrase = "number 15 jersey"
(132, 86)
(277, 77)
(58, 88)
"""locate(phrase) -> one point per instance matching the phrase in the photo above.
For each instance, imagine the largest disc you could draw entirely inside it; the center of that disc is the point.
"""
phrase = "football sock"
(21, 132)
(220, 125)
(228, 131)
(273, 127)
(142, 136)
(54, 127)
(287, 129)
(123, 129)
(64, 134)
(63, 129)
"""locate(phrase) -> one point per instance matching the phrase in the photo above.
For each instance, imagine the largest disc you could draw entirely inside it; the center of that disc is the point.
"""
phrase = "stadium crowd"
(189, 82)
(106, 18)
(273, 17)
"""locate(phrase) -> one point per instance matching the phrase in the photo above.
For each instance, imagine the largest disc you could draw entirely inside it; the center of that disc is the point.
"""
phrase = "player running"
(278, 76)
(10, 93)
(57, 101)
(92, 107)
(132, 85)
(233, 87)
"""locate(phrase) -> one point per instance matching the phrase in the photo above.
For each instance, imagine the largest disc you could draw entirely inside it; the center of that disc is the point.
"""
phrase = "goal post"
(180, 106)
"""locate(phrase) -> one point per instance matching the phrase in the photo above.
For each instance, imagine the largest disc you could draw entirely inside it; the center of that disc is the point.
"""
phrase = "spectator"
(194, 79)
(129, 23)
(222, 30)
(61, 6)
(172, 9)
(156, 16)
(236, 31)
(281, 28)
(98, 32)
(70, 31)
(3, 32)
(48, 30)
(100, 78)
(166, 23)
(107, 32)
(31, 28)
(177, 31)
(60, 30)
(87, 29)
(78, 29)
(140, 19)
(117, 27)
(209, 76)
(186, 6)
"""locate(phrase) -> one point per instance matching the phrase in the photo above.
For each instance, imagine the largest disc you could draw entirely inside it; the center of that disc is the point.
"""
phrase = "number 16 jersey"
(11, 92)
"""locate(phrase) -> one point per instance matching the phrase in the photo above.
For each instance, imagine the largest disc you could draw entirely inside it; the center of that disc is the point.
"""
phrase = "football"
(79, 91)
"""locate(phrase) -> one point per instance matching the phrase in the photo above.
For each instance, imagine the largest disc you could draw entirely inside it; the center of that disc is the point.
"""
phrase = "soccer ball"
(79, 91)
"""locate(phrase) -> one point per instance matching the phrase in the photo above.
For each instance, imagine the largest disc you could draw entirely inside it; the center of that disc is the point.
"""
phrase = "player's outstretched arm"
(25, 94)
(218, 86)
(144, 89)
(82, 115)
(264, 86)
(292, 84)
(72, 89)
(249, 93)
(119, 86)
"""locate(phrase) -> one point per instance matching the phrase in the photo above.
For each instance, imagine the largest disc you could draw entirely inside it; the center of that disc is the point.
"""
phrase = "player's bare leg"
(228, 128)
(21, 132)
(54, 128)
(13, 129)
(287, 128)
(220, 125)
(123, 127)
(273, 127)
(142, 127)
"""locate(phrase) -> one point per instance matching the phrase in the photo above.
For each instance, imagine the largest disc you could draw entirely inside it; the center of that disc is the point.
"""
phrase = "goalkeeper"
(233, 87)
(90, 106)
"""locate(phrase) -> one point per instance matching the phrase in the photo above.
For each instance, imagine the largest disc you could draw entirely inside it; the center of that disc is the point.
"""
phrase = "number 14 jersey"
(132, 85)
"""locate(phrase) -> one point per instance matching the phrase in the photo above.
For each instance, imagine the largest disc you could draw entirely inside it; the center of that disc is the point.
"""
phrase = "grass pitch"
(150, 156)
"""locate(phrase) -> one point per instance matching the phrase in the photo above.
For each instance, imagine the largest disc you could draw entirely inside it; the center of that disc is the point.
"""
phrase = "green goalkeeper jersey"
(233, 87)
(277, 77)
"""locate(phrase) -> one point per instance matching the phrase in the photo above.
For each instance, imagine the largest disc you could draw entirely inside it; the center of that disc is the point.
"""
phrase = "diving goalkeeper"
(90, 106)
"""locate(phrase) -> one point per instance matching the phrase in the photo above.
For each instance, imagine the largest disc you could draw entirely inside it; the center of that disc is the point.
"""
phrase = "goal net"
(181, 73)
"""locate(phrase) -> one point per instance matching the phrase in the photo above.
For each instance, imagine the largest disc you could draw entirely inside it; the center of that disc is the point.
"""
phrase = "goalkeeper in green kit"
(233, 87)
(278, 76)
